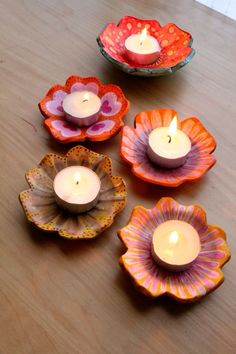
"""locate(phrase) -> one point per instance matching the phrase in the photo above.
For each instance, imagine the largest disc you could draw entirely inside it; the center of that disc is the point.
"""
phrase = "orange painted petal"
(132, 147)
(102, 135)
(64, 132)
(48, 97)
(202, 140)
(84, 80)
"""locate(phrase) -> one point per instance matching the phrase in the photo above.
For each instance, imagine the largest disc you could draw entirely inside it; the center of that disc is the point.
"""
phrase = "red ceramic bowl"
(114, 107)
(175, 43)
(134, 149)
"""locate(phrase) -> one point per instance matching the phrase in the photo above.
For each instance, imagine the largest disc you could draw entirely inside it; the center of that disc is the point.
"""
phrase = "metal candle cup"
(77, 189)
(168, 146)
(141, 48)
(82, 108)
(175, 245)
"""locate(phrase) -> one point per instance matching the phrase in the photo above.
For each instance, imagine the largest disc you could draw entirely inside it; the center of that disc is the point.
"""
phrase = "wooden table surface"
(60, 296)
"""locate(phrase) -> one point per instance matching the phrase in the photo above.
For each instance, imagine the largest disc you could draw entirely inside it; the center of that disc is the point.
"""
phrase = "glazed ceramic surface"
(39, 202)
(113, 109)
(175, 43)
(202, 277)
(134, 149)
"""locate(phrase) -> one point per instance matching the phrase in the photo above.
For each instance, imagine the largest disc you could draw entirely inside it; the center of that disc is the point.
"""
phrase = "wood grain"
(71, 297)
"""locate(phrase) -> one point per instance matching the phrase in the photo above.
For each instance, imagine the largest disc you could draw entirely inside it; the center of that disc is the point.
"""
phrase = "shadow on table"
(134, 85)
(144, 304)
(67, 246)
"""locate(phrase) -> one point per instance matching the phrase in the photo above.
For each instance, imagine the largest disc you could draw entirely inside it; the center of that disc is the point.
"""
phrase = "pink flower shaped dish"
(40, 205)
(113, 109)
(134, 149)
(175, 44)
(203, 276)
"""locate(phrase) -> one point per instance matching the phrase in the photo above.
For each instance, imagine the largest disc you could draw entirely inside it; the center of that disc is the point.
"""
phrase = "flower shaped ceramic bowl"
(175, 45)
(202, 277)
(39, 202)
(134, 149)
(114, 107)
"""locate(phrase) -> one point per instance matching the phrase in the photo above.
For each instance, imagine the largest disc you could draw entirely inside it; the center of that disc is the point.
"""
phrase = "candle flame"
(172, 129)
(143, 36)
(86, 97)
(77, 177)
(174, 237)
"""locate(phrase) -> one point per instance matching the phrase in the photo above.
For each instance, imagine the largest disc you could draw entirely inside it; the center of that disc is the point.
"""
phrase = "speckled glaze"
(176, 50)
(204, 275)
(39, 202)
(134, 149)
(114, 107)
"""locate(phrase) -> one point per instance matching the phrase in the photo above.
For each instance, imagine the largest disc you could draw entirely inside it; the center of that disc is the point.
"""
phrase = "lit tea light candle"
(175, 245)
(142, 48)
(82, 107)
(77, 188)
(168, 146)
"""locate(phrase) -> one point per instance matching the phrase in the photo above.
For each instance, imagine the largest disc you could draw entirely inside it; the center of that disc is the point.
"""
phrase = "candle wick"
(85, 100)
(77, 182)
(169, 139)
(141, 43)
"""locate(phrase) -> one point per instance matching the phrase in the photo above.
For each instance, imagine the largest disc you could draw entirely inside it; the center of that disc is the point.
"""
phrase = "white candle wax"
(168, 146)
(141, 48)
(175, 245)
(82, 107)
(77, 188)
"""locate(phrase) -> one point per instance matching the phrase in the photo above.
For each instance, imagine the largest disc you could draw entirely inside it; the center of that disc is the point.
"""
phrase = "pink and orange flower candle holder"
(142, 257)
(99, 112)
(135, 145)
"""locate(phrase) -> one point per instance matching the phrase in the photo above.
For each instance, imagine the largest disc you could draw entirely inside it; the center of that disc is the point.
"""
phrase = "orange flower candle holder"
(204, 274)
(175, 46)
(134, 143)
(40, 205)
(114, 107)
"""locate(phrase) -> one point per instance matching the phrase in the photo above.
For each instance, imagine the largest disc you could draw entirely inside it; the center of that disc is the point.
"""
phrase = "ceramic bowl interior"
(175, 43)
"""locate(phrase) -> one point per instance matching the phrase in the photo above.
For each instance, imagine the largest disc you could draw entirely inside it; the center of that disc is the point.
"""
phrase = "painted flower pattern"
(113, 109)
(40, 206)
(202, 277)
(175, 43)
(134, 147)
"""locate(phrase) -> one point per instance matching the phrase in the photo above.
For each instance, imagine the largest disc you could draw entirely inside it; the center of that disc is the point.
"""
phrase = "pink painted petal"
(143, 126)
(206, 282)
(132, 147)
(101, 127)
(67, 130)
(110, 104)
(195, 284)
(55, 105)
(90, 86)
